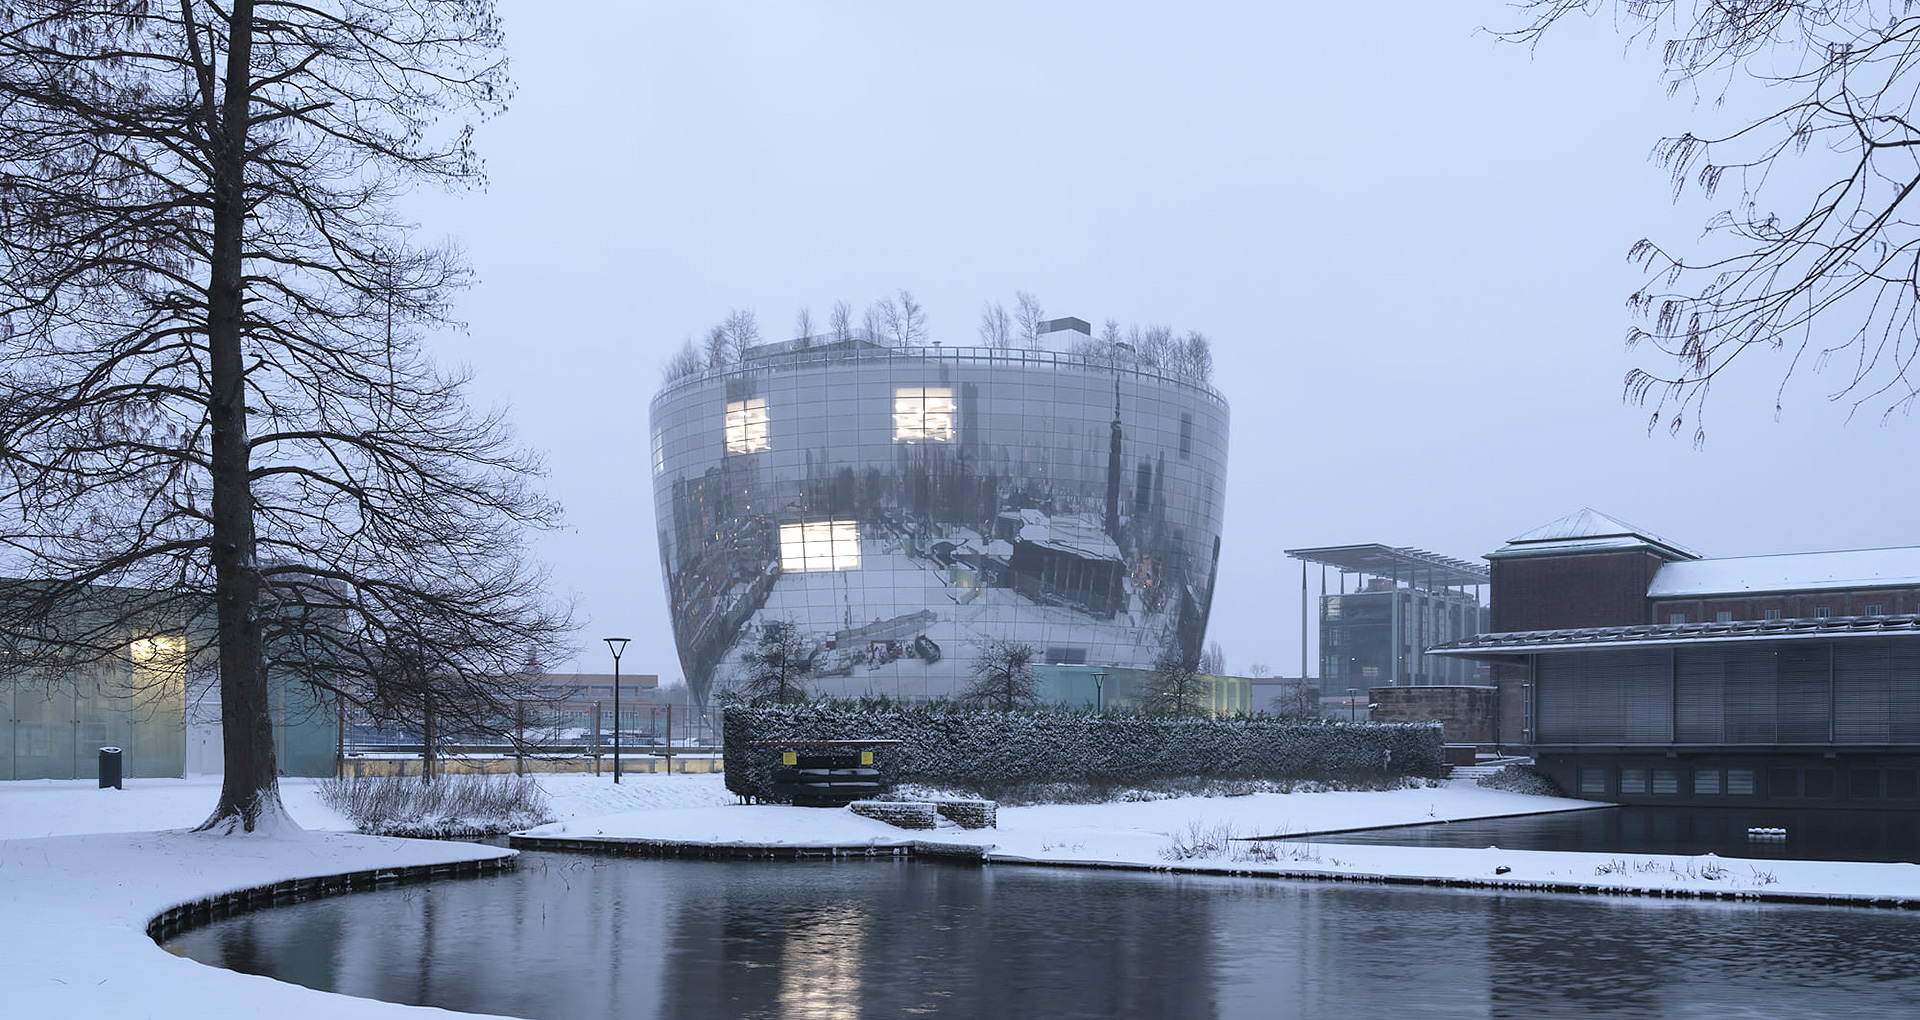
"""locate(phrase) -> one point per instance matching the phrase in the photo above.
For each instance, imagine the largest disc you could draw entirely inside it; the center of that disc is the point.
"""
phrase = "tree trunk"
(250, 790)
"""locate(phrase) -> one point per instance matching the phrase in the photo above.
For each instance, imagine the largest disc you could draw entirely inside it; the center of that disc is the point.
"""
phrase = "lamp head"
(616, 645)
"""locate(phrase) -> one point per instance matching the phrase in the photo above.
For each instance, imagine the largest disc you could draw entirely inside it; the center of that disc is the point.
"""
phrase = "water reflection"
(1816, 835)
(589, 938)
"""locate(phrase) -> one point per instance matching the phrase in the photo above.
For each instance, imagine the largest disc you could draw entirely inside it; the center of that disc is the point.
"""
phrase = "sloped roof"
(1589, 530)
(1816, 571)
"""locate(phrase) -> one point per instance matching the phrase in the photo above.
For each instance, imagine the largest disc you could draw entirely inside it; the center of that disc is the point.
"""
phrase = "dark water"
(584, 938)
(1814, 835)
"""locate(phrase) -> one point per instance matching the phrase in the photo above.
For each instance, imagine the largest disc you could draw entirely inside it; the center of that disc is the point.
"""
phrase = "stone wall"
(1466, 714)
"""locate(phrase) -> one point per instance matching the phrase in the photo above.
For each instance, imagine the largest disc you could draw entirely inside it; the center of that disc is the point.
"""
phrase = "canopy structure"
(1417, 567)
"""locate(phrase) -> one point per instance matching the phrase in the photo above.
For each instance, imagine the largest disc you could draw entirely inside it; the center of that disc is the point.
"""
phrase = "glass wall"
(899, 507)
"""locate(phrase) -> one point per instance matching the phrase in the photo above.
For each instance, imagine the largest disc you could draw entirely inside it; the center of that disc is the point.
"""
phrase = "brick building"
(1635, 670)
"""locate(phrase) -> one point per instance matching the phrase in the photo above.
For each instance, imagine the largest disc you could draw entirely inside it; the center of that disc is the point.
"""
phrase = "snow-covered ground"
(77, 888)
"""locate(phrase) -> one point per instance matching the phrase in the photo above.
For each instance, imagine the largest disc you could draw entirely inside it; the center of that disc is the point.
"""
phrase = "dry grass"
(449, 807)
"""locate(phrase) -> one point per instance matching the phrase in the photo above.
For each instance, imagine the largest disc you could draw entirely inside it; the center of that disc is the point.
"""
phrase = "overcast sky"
(1406, 240)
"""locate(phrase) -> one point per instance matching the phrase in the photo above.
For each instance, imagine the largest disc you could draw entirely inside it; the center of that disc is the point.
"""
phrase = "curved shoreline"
(984, 855)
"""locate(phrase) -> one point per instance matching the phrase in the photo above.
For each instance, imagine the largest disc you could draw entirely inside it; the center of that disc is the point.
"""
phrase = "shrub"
(448, 807)
(991, 753)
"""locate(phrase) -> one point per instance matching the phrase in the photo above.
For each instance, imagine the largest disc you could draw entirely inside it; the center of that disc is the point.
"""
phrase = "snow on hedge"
(955, 747)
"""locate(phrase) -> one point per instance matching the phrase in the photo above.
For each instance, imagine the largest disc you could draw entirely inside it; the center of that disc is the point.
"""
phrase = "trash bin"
(110, 768)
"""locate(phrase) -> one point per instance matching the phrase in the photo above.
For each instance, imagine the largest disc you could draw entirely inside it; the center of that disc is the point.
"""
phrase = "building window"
(1723, 616)
(1863, 784)
(1186, 436)
(1706, 782)
(1783, 782)
(1676, 617)
(1633, 780)
(1593, 779)
(1817, 783)
(1773, 614)
(1823, 612)
(1740, 782)
(820, 545)
(1873, 609)
(1666, 781)
(746, 425)
(659, 452)
(1902, 784)
(923, 414)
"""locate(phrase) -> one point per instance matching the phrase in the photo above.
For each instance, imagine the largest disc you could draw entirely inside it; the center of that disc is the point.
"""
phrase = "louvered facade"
(1748, 707)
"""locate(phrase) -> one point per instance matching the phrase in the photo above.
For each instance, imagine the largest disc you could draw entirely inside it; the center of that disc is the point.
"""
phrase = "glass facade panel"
(746, 426)
(915, 503)
(923, 414)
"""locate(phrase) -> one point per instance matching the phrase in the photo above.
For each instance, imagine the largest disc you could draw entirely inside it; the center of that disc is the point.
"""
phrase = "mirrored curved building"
(900, 506)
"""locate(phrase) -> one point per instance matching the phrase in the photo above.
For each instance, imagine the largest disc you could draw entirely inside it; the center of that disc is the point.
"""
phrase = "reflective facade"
(901, 506)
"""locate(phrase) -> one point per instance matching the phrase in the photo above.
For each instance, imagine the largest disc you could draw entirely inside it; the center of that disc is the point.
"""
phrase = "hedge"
(981, 749)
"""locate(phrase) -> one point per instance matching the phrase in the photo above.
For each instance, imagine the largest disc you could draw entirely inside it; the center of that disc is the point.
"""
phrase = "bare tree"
(1158, 348)
(778, 665)
(213, 401)
(718, 347)
(1298, 700)
(840, 323)
(906, 320)
(685, 362)
(1029, 315)
(1002, 675)
(803, 327)
(996, 328)
(875, 322)
(1196, 357)
(1178, 687)
(1213, 661)
(1818, 252)
(742, 331)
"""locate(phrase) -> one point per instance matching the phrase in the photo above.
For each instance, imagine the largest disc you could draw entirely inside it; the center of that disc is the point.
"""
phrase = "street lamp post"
(616, 645)
(1353, 714)
(1099, 692)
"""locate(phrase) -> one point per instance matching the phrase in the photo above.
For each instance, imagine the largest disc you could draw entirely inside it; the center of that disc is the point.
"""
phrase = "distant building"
(147, 686)
(1637, 671)
(1404, 602)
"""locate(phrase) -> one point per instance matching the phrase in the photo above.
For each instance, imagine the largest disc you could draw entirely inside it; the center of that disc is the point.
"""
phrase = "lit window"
(1823, 612)
(746, 425)
(1666, 782)
(1773, 614)
(1723, 616)
(1593, 779)
(1706, 781)
(1740, 782)
(1633, 780)
(923, 414)
(1676, 617)
(1874, 609)
(820, 545)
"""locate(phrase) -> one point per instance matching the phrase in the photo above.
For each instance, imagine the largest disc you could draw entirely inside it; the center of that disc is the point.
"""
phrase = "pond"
(593, 938)
(1810, 835)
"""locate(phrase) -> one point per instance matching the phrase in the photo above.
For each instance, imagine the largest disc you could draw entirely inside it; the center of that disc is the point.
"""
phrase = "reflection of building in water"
(900, 506)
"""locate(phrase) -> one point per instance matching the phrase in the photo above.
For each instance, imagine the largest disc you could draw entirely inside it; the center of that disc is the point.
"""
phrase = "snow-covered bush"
(1521, 779)
(988, 752)
(449, 807)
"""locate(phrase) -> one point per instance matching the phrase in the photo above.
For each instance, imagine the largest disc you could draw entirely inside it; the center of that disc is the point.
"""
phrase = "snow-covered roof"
(1589, 530)
(1518, 642)
(1817, 571)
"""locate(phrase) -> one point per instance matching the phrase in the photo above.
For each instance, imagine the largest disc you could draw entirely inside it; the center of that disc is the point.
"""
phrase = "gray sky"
(1407, 242)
